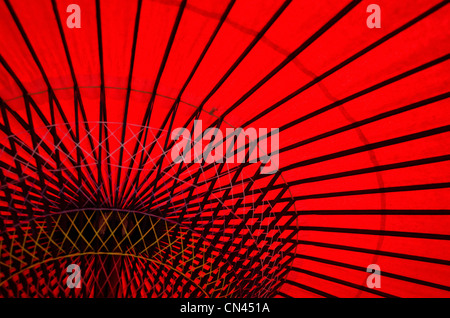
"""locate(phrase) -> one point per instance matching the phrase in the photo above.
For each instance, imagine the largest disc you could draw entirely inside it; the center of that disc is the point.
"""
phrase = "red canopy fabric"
(85, 129)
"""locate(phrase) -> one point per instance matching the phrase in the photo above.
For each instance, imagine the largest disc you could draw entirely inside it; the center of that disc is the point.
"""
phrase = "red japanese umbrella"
(90, 95)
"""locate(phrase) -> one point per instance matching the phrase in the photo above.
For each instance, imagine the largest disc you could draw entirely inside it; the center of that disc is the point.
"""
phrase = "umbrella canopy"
(352, 127)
